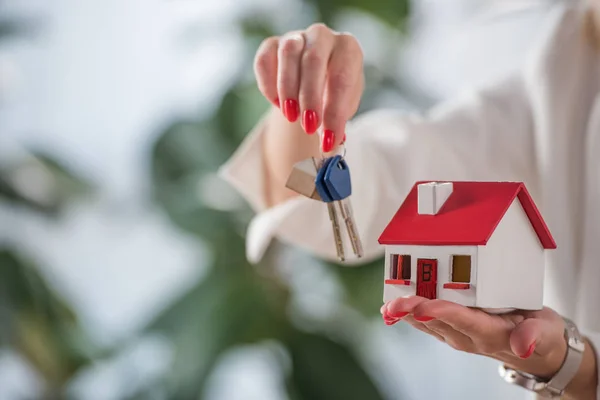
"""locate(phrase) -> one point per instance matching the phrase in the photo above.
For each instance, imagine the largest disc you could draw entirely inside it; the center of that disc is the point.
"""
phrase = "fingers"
(265, 69)
(344, 79)
(472, 322)
(463, 328)
(291, 47)
(319, 42)
(402, 306)
(510, 338)
(489, 334)
(407, 309)
(423, 328)
(316, 75)
(449, 335)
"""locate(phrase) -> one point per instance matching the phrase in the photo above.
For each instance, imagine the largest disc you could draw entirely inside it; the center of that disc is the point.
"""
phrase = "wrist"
(283, 145)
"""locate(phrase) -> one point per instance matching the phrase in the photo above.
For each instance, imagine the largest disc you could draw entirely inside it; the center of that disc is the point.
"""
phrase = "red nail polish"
(310, 121)
(529, 351)
(423, 318)
(344, 139)
(276, 102)
(290, 110)
(399, 315)
(328, 138)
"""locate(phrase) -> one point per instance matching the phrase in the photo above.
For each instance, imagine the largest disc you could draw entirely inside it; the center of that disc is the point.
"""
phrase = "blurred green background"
(315, 322)
(236, 303)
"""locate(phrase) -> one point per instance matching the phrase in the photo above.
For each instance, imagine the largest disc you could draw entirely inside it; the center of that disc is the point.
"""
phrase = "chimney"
(432, 196)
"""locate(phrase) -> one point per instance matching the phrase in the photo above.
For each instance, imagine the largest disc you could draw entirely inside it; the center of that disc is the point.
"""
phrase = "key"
(303, 180)
(333, 217)
(337, 233)
(338, 183)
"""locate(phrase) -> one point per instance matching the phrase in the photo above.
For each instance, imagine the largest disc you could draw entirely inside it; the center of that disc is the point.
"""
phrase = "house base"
(498, 311)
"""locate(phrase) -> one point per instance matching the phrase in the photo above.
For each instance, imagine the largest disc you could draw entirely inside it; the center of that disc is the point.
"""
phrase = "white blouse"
(540, 125)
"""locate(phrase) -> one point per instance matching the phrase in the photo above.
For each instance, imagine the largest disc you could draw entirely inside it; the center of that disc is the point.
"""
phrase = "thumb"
(530, 336)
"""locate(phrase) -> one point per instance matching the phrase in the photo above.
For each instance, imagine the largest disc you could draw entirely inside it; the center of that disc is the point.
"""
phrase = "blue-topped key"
(337, 179)
(338, 183)
(320, 182)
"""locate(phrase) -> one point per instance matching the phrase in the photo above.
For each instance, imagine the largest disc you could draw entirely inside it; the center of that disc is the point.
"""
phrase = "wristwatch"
(555, 386)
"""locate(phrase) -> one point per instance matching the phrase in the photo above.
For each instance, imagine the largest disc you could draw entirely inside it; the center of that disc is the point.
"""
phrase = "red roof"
(468, 217)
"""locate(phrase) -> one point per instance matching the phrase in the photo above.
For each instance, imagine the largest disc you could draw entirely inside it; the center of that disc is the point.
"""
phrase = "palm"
(528, 340)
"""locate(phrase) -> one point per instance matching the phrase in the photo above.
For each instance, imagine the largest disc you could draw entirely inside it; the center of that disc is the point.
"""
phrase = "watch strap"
(554, 387)
(572, 361)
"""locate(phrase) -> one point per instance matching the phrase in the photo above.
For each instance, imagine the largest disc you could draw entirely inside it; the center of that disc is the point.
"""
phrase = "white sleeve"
(484, 135)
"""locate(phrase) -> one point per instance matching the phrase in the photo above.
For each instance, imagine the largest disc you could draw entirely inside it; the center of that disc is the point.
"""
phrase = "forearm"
(585, 384)
(284, 144)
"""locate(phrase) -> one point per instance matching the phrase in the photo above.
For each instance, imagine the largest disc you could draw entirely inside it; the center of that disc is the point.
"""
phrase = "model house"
(479, 244)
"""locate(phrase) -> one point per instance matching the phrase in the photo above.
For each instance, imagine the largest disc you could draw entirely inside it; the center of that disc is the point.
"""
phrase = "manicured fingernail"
(529, 351)
(344, 139)
(276, 103)
(390, 321)
(310, 121)
(383, 309)
(290, 110)
(423, 318)
(399, 315)
(328, 138)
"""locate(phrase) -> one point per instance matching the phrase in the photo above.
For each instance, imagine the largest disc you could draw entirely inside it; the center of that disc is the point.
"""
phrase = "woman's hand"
(315, 75)
(529, 341)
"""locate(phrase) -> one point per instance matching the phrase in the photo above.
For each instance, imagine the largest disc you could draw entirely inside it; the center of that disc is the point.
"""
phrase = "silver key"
(335, 224)
(337, 234)
(339, 186)
(348, 216)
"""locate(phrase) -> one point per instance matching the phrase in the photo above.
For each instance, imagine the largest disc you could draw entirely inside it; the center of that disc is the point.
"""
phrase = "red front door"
(426, 278)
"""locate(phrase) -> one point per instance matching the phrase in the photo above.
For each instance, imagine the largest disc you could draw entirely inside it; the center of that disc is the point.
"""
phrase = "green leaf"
(41, 183)
(186, 148)
(323, 369)
(363, 286)
(39, 323)
(11, 193)
(392, 12)
(240, 109)
(257, 26)
(68, 182)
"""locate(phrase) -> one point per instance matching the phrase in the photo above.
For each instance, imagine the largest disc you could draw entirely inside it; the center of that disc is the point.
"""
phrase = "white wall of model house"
(511, 265)
(507, 272)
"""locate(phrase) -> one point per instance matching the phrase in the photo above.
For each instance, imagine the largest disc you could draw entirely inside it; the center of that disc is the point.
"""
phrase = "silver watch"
(555, 386)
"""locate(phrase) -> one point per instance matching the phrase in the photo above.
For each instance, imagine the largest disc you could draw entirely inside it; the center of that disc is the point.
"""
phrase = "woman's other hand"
(315, 78)
(529, 341)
